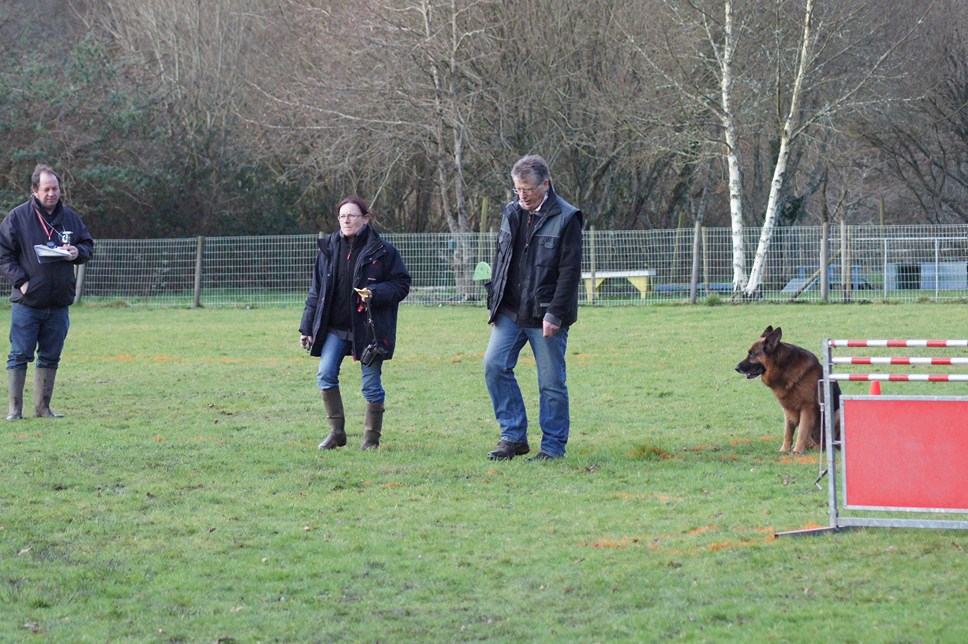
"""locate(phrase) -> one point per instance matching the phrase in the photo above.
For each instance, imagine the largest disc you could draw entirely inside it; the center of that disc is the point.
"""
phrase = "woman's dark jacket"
(52, 284)
(380, 269)
(550, 270)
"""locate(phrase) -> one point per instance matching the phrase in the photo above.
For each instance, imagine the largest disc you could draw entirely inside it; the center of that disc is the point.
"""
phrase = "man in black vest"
(532, 298)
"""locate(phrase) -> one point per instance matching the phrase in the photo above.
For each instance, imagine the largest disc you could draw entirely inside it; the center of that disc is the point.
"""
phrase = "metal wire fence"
(620, 267)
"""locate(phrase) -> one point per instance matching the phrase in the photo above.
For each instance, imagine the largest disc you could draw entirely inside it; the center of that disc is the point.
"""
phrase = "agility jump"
(897, 453)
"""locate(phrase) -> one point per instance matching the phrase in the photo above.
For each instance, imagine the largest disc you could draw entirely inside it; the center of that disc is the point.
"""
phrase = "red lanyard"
(50, 230)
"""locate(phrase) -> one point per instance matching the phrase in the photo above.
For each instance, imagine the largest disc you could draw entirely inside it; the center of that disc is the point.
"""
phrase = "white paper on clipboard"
(48, 254)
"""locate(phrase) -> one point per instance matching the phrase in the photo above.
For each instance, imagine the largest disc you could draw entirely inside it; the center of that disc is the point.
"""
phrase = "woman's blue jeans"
(335, 349)
(500, 359)
(40, 330)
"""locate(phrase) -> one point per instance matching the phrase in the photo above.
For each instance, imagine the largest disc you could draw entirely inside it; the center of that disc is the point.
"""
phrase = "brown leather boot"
(15, 388)
(333, 402)
(372, 425)
(43, 390)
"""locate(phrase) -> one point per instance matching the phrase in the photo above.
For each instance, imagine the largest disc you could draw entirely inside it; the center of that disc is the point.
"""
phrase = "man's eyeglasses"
(526, 192)
(347, 217)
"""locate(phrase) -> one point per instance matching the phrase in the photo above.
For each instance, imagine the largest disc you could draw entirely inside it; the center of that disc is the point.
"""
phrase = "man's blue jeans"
(40, 330)
(334, 350)
(507, 340)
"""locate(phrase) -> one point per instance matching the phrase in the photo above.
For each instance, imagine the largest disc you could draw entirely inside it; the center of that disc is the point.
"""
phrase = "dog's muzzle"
(750, 370)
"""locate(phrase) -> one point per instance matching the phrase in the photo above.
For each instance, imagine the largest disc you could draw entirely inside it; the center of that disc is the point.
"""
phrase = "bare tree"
(727, 115)
(818, 53)
(790, 131)
(410, 110)
(922, 143)
(196, 57)
(833, 69)
(452, 36)
(698, 64)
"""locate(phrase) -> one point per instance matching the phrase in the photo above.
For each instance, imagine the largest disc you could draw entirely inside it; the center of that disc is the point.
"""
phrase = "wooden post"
(675, 247)
(824, 259)
(696, 249)
(80, 283)
(845, 271)
(483, 251)
(591, 241)
(199, 254)
(705, 260)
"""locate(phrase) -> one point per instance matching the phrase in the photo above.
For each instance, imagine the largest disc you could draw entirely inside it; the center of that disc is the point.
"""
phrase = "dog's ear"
(767, 331)
(773, 339)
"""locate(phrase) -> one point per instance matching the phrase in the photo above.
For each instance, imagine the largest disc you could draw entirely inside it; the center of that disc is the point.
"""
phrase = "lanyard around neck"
(48, 228)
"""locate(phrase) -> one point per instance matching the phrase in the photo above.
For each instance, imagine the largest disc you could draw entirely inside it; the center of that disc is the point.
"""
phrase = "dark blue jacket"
(549, 287)
(380, 269)
(52, 284)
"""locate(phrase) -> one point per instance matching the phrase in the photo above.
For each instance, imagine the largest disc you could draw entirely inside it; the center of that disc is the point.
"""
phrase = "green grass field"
(183, 497)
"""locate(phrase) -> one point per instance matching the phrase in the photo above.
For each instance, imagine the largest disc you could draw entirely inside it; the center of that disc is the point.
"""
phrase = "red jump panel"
(905, 453)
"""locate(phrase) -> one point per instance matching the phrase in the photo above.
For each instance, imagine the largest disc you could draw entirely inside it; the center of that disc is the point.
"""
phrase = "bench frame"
(640, 279)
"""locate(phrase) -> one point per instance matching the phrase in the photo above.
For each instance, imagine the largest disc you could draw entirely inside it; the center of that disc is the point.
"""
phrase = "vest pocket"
(542, 300)
(546, 251)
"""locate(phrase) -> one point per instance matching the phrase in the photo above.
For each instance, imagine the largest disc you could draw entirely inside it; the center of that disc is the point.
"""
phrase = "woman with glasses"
(358, 282)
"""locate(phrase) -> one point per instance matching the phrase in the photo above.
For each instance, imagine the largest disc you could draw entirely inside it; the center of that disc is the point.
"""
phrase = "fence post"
(705, 260)
(884, 269)
(696, 249)
(199, 254)
(844, 260)
(80, 284)
(880, 210)
(591, 239)
(479, 244)
(937, 269)
(824, 261)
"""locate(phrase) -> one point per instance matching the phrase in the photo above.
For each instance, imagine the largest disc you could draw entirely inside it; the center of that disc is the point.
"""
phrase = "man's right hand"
(23, 287)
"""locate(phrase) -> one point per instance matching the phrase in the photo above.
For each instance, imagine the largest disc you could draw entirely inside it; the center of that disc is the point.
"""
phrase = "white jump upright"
(897, 453)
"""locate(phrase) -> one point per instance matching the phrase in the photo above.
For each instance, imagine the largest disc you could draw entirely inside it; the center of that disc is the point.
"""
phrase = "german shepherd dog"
(792, 374)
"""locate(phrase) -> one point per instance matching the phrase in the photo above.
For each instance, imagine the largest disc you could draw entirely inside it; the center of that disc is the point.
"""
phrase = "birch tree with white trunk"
(789, 132)
(834, 62)
(797, 120)
(710, 42)
(728, 118)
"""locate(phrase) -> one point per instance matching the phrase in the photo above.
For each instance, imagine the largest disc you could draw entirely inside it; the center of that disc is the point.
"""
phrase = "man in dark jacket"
(358, 277)
(40, 243)
(533, 298)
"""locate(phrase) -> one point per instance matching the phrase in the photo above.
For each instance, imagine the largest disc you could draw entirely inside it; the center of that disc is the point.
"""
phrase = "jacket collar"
(360, 239)
(366, 238)
(549, 206)
(43, 211)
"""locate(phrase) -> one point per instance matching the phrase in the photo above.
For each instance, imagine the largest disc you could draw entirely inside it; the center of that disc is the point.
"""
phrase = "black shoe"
(543, 456)
(506, 450)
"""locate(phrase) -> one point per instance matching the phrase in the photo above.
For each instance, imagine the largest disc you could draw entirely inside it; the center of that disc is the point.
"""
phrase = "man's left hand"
(548, 329)
(73, 252)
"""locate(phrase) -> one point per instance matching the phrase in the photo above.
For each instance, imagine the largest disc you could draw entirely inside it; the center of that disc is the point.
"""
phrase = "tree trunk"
(732, 153)
(779, 171)
(450, 161)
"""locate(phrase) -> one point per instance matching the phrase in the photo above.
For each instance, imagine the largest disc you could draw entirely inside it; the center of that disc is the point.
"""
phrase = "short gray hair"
(42, 168)
(531, 166)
